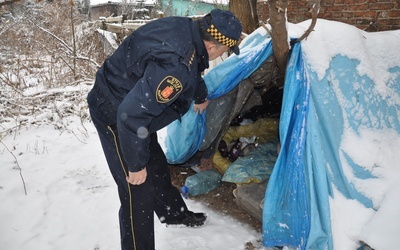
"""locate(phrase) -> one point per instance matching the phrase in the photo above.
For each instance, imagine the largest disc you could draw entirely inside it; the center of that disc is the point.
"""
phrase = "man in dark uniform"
(150, 81)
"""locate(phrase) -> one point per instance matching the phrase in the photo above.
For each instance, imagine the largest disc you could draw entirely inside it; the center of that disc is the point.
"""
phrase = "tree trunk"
(280, 45)
(246, 12)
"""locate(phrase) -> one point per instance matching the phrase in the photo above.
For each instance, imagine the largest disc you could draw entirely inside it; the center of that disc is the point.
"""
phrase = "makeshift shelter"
(338, 126)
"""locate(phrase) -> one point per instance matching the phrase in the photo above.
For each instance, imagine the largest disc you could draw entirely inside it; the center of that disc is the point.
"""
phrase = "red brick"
(337, 15)
(358, 7)
(365, 14)
(335, 8)
(327, 15)
(348, 14)
(394, 22)
(302, 3)
(323, 9)
(359, 13)
(393, 13)
(339, 2)
(380, 6)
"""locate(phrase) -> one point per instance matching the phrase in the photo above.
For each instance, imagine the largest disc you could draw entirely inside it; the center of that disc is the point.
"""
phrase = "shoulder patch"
(168, 88)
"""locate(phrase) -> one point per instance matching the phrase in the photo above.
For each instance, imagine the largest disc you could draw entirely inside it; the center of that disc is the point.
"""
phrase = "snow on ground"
(71, 200)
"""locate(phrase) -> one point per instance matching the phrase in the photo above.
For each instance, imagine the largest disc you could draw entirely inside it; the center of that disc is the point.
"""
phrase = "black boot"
(189, 219)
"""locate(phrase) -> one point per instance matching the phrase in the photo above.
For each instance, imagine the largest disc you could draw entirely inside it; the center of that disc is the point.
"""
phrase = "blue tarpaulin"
(316, 113)
(290, 226)
(185, 136)
(319, 112)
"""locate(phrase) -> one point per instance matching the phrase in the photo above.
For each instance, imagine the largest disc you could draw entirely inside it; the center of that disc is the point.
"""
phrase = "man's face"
(214, 51)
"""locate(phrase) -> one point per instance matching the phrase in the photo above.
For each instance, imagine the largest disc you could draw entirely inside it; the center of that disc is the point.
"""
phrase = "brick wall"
(369, 15)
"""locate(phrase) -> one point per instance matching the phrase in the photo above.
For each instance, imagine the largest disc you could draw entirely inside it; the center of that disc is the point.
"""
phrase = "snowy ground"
(71, 200)
(57, 192)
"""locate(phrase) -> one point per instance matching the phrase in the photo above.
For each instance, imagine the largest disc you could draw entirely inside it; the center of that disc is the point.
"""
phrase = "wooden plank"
(6, 1)
(131, 26)
(116, 19)
(115, 28)
(117, 24)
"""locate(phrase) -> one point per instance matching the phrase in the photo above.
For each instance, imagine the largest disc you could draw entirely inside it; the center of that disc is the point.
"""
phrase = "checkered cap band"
(221, 38)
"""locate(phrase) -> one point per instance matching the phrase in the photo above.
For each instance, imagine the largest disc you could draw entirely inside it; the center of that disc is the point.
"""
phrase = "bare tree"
(72, 4)
(49, 45)
(280, 46)
(245, 11)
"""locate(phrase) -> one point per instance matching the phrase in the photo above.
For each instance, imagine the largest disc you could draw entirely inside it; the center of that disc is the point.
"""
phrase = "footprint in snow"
(192, 243)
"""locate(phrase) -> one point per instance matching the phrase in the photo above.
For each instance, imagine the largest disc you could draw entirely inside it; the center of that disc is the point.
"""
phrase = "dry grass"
(38, 59)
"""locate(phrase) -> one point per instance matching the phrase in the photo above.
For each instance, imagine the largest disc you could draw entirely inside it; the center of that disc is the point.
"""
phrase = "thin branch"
(80, 57)
(84, 58)
(78, 137)
(8, 130)
(51, 34)
(265, 27)
(373, 22)
(314, 13)
(20, 170)
(8, 82)
(3, 31)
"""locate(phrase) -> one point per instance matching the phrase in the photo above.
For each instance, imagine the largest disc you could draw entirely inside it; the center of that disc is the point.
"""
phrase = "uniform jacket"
(151, 80)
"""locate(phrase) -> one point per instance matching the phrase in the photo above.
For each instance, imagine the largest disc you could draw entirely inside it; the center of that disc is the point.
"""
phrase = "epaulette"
(189, 58)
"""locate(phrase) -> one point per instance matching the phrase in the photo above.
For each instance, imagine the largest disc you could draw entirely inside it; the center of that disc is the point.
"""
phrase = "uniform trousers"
(138, 202)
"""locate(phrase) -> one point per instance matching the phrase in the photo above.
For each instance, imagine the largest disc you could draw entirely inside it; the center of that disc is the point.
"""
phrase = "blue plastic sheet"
(315, 115)
(286, 217)
(184, 136)
(329, 110)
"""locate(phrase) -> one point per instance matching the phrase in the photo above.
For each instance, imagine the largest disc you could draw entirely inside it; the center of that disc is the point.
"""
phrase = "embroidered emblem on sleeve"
(168, 88)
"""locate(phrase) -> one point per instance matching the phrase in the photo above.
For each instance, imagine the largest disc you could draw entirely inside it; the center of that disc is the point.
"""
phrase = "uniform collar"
(201, 50)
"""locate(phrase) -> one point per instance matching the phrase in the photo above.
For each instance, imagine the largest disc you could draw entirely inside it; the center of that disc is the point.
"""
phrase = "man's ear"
(209, 45)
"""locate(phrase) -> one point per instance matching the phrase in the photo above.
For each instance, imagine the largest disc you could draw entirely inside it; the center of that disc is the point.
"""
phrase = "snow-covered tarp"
(339, 131)
(336, 179)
